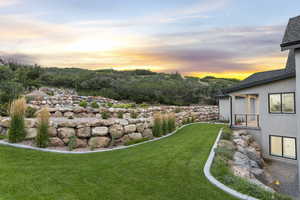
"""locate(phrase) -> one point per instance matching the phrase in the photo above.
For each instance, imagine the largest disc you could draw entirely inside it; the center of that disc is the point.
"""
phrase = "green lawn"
(171, 168)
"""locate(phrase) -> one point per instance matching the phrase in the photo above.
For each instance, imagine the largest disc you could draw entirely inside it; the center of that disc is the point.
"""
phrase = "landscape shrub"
(109, 105)
(105, 115)
(226, 134)
(83, 104)
(95, 105)
(125, 106)
(4, 110)
(30, 112)
(157, 127)
(17, 130)
(120, 115)
(133, 115)
(144, 105)
(131, 142)
(42, 137)
(225, 152)
(72, 143)
(177, 110)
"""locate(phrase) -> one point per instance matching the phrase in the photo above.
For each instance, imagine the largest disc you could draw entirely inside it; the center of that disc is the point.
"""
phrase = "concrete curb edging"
(102, 150)
(217, 183)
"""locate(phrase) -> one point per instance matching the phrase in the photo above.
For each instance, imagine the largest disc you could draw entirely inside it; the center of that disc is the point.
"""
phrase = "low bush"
(72, 143)
(120, 115)
(4, 110)
(17, 110)
(105, 115)
(133, 115)
(177, 110)
(83, 104)
(225, 153)
(131, 142)
(144, 105)
(109, 105)
(95, 105)
(42, 137)
(30, 112)
(126, 106)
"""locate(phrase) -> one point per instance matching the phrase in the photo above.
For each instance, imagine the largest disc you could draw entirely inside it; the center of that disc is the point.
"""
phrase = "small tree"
(17, 111)
(42, 137)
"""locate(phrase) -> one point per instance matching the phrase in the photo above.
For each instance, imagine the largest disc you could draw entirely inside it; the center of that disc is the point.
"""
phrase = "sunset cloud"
(184, 38)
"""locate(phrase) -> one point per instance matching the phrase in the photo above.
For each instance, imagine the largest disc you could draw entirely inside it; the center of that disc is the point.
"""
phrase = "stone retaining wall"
(94, 132)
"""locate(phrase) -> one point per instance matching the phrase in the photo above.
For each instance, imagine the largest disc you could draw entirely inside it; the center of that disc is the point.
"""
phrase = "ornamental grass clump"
(165, 125)
(157, 127)
(171, 119)
(17, 111)
(42, 137)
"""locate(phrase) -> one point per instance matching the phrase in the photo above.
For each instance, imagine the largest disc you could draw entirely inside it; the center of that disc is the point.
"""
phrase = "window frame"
(282, 147)
(281, 111)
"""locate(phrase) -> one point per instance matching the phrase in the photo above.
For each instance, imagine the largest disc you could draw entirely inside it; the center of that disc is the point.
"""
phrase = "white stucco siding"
(272, 124)
(224, 109)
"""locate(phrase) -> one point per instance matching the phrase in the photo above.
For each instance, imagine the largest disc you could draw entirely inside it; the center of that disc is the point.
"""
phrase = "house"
(266, 103)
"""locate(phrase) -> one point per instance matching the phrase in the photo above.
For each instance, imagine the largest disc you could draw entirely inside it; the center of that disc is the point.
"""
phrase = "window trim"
(281, 93)
(282, 156)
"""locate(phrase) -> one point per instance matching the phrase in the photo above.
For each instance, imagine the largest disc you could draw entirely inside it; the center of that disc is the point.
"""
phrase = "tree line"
(136, 85)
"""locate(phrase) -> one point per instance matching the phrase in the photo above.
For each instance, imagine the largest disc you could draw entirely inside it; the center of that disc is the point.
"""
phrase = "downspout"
(230, 98)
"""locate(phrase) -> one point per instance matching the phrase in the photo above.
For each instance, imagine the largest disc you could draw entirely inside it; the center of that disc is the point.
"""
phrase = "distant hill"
(136, 85)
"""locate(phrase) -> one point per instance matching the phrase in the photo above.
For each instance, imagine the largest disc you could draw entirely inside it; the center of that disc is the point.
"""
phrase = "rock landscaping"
(86, 128)
(239, 164)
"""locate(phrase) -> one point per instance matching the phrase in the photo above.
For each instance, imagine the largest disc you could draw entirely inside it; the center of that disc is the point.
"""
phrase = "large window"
(282, 103)
(283, 147)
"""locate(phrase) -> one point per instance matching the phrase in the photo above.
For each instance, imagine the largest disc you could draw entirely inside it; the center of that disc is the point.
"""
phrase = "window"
(283, 147)
(282, 103)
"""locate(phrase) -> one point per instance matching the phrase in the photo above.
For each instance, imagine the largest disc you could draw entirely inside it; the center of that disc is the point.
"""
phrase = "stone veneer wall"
(92, 131)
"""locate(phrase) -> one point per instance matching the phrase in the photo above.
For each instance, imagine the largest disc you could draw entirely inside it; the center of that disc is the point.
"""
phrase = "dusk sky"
(224, 38)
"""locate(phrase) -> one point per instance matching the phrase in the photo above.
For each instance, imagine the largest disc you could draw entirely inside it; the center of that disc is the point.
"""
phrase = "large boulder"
(69, 115)
(31, 133)
(52, 132)
(56, 142)
(241, 159)
(240, 142)
(241, 171)
(116, 131)
(130, 128)
(57, 114)
(135, 136)
(81, 143)
(99, 142)
(147, 133)
(66, 123)
(140, 127)
(5, 122)
(84, 132)
(66, 132)
(100, 131)
(30, 123)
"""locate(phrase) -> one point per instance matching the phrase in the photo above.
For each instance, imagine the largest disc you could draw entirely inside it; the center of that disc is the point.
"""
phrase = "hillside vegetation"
(137, 85)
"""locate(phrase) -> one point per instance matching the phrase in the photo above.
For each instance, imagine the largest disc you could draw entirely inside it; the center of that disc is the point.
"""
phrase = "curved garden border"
(217, 183)
(96, 151)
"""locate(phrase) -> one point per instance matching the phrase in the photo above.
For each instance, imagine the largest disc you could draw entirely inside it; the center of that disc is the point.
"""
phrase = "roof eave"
(258, 83)
(290, 45)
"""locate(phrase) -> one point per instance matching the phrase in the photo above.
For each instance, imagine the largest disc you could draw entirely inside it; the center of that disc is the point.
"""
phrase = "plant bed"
(239, 165)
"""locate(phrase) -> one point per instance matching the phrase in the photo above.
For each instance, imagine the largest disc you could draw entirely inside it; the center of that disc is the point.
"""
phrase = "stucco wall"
(272, 124)
(224, 109)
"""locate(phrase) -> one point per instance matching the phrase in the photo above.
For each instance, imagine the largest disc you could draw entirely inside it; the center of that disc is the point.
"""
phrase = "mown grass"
(168, 169)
